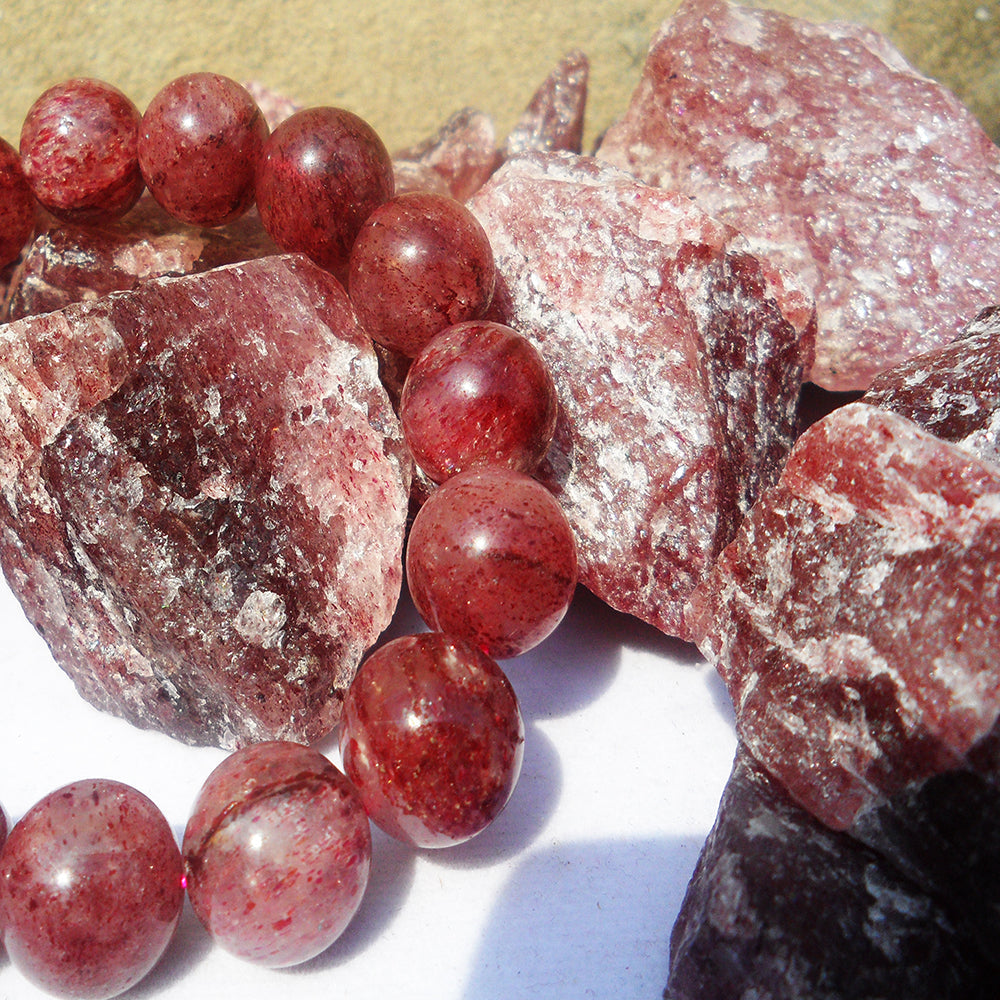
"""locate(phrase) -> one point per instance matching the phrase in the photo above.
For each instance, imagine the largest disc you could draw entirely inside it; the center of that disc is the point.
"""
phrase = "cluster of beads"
(276, 854)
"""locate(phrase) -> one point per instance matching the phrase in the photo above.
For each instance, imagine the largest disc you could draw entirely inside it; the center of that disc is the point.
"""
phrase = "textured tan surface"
(407, 65)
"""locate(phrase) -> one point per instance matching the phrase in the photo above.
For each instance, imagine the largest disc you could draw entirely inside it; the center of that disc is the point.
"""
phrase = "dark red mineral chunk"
(835, 158)
(954, 392)
(853, 618)
(783, 907)
(677, 357)
(554, 117)
(211, 487)
(68, 263)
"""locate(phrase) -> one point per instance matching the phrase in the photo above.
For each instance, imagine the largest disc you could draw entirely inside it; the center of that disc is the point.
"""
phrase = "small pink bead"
(199, 144)
(91, 888)
(432, 738)
(79, 151)
(17, 205)
(277, 850)
(321, 174)
(421, 262)
(492, 559)
(478, 394)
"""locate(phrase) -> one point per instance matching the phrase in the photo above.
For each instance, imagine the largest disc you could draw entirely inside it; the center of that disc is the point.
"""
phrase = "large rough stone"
(205, 496)
(782, 907)
(837, 160)
(677, 356)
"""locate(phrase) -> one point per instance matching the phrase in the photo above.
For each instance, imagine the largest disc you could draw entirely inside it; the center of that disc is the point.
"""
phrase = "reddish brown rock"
(205, 500)
(837, 160)
(68, 263)
(554, 117)
(456, 160)
(677, 356)
(783, 907)
(853, 618)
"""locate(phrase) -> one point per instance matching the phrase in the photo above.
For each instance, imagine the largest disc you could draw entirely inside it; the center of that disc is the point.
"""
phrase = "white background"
(570, 894)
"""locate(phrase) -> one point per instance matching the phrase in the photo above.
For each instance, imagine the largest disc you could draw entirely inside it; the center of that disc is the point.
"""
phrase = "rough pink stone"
(554, 116)
(68, 264)
(677, 357)
(838, 160)
(275, 107)
(462, 154)
(854, 616)
(953, 392)
(206, 496)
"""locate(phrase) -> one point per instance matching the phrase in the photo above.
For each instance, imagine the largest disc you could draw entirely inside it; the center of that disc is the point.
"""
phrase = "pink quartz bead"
(79, 151)
(478, 394)
(422, 262)
(277, 851)
(91, 889)
(17, 205)
(321, 174)
(199, 143)
(492, 559)
(432, 737)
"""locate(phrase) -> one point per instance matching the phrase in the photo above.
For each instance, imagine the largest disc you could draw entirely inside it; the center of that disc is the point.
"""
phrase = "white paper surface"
(572, 892)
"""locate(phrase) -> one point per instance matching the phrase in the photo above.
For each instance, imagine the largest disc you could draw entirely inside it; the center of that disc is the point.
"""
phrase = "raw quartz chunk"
(836, 159)
(677, 357)
(68, 263)
(205, 496)
(853, 618)
(783, 907)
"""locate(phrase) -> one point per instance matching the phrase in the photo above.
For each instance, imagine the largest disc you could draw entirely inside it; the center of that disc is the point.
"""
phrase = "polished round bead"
(91, 887)
(492, 559)
(79, 150)
(478, 394)
(432, 737)
(321, 174)
(422, 262)
(17, 205)
(278, 851)
(199, 143)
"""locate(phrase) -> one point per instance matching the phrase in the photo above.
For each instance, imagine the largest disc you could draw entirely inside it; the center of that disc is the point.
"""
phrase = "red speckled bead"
(491, 558)
(422, 262)
(199, 143)
(277, 850)
(432, 738)
(79, 151)
(478, 394)
(91, 887)
(322, 173)
(17, 205)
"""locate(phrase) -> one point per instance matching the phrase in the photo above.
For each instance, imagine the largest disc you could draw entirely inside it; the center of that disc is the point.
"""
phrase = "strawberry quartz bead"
(91, 889)
(79, 151)
(278, 851)
(321, 174)
(422, 262)
(432, 737)
(492, 559)
(478, 394)
(17, 205)
(199, 143)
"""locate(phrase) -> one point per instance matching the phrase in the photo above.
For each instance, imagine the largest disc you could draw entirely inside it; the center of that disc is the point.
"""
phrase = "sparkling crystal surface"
(478, 394)
(17, 205)
(421, 262)
(432, 737)
(881, 195)
(491, 559)
(277, 853)
(177, 530)
(678, 371)
(91, 885)
(199, 143)
(79, 151)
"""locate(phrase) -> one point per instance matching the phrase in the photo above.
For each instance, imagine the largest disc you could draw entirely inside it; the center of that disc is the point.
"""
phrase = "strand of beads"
(276, 854)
